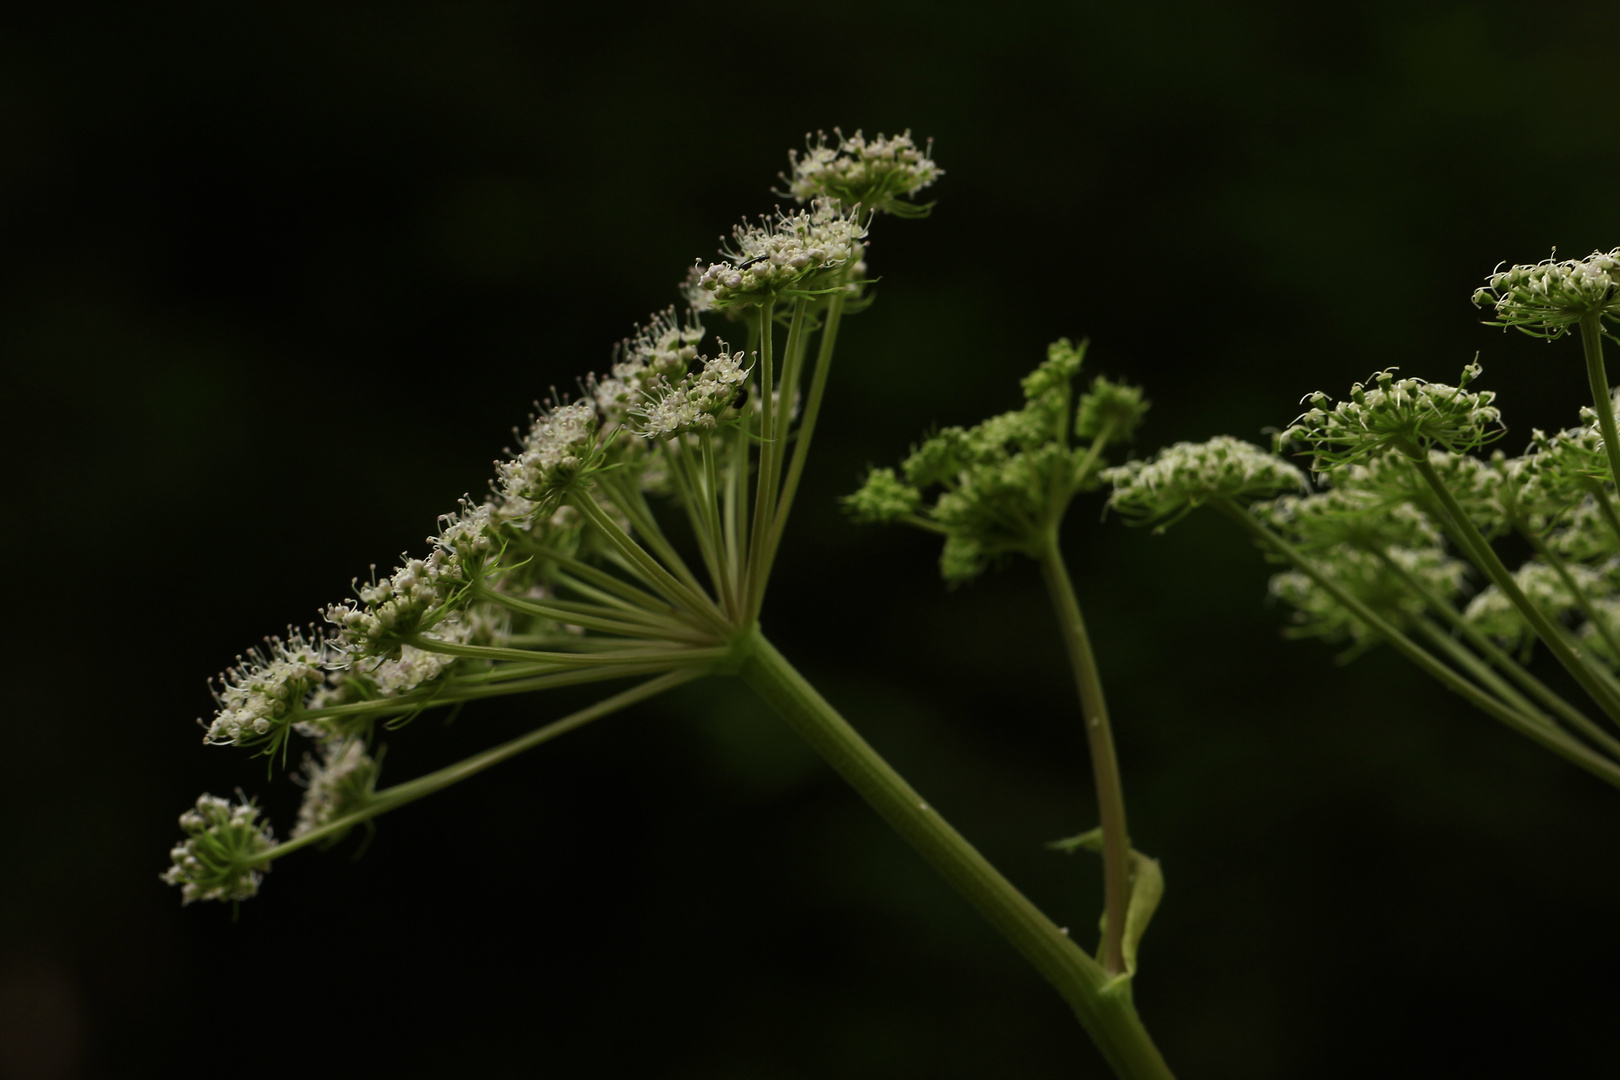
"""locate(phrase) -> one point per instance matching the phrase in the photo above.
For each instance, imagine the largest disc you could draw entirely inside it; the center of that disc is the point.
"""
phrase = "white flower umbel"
(559, 444)
(792, 253)
(1408, 415)
(873, 173)
(341, 782)
(1493, 612)
(221, 856)
(1546, 299)
(1187, 475)
(1372, 581)
(267, 685)
(692, 404)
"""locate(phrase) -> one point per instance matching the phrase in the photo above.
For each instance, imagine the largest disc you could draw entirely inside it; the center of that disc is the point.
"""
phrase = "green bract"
(1546, 299)
(1187, 475)
(1407, 415)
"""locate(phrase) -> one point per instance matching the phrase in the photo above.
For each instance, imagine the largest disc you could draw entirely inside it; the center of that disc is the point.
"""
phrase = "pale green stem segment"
(1556, 741)
(693, 600)
(1103, 1005)
(807, 425)
(400, 794)
(633, 652)
(1116, 842)
(1484, 557)
(1602, 403)
(763, 506)
(1482, 672)
(1501, 660)
(1147, 889)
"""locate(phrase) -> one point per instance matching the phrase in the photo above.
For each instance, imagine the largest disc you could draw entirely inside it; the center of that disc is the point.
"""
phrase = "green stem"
(807, 426)
(1484, 557)
(1116, 843)
(631, 654)
(400, 794)
(661, 629)
(1482, 673)
(1103, 1005)
(1554, 560)
(693, 600)
(1501, 660)
(1602, 403)
(1555, 741)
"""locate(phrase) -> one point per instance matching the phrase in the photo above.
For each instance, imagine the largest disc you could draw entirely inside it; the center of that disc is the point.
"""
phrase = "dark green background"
(277, 284)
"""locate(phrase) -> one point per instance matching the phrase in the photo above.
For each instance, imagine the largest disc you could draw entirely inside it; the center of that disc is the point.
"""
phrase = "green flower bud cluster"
(1546, 299)
(1371, 580)
(1186, 475)
(1410, 416)
(794, 254)
(873, 173)
(220, 859)
(1008, 480)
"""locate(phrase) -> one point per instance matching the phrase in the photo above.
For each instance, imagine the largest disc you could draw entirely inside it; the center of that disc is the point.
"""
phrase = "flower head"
(560, 444)
(1407, 415)
(1369, 579)
(338, 784)
(1546, 299)
(795, 252)
(692, 404)
(1186, 475)
(873, 173)
(221, 856)
(258, 696)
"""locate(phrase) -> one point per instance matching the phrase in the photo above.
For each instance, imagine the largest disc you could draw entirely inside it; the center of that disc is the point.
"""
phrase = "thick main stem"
(1116, 842)
(1602, 403)
(1103, 1006)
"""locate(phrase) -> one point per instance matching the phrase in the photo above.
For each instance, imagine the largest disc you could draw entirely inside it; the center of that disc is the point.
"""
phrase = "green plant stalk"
(763, 506)
(1557, 742)
(411, 790)
(1103, 1005)
(1602, 403)
(1484, 557)
(1116, 842)
(695, 601)
(1482, 673)
(1502, 661)
(807, 425)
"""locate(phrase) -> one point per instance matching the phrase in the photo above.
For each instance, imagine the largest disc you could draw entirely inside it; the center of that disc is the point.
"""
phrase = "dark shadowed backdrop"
(278, 282)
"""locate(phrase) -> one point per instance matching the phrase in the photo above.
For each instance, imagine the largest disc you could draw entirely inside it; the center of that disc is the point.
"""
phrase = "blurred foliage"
(277, 280)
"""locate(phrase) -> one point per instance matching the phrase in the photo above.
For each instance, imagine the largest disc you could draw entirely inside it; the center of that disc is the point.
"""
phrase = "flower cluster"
(258, 696)
(873, 173)
(1546, 299)
(1371, 580)
(793, 253)
(560, 443)
(1008, 480)
(693, 403)
(1493, 613)
(341, 782)
(1186, 475)
(1407, 415)
(221, 857)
